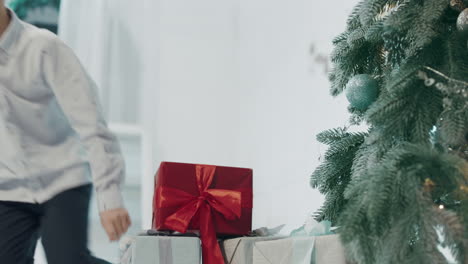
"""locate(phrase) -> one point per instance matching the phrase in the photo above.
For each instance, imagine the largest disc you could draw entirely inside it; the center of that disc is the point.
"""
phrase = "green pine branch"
(384, 187)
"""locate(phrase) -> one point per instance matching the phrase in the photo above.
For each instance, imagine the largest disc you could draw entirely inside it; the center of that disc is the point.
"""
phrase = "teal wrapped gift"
(162, 250)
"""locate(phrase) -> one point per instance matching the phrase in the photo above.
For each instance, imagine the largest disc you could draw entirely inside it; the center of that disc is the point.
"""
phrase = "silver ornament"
(462, 21)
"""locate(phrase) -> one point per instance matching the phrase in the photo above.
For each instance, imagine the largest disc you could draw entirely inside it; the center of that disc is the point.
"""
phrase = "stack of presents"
(203, 214)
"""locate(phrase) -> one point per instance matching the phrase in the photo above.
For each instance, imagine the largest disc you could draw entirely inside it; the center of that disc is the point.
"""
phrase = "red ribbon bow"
(226, 202)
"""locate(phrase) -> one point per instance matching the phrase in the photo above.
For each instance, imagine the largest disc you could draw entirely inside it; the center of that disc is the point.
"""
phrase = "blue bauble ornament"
(362, 90)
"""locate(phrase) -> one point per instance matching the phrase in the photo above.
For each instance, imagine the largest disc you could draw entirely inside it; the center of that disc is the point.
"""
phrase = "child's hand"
(115, 222)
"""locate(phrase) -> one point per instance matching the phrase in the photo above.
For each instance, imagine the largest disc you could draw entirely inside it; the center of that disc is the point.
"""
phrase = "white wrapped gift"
(284, 251)
(300, 250)
(162, 250)
(240, 250)
(328, 250)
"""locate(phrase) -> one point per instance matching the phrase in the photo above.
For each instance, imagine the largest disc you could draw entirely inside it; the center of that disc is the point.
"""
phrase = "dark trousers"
(61, 223)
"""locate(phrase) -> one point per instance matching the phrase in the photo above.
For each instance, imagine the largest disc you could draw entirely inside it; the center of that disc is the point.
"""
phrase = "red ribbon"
(226, 202)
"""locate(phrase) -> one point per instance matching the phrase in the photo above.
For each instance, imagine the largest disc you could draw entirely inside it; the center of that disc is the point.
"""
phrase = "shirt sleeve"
(76, 94)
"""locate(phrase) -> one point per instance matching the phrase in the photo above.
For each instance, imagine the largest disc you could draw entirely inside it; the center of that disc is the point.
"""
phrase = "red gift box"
(212, 199)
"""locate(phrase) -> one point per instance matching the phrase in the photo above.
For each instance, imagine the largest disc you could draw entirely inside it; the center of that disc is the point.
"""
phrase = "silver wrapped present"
(161, 250)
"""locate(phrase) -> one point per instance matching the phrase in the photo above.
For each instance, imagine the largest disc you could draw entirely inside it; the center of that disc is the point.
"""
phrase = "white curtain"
(220, 82)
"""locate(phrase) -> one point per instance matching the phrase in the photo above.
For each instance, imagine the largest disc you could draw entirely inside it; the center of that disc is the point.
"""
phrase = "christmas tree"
(399, 191)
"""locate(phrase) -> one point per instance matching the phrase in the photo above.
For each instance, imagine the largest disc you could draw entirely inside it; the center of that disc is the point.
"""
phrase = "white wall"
(223, 82)
(288, 102)
(237, 86)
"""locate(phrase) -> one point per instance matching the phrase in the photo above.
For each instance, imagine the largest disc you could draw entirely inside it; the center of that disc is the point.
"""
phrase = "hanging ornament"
(362, 90)
(462, 21)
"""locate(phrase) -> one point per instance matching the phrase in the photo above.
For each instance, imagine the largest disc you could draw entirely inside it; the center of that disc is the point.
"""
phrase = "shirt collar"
(11, 34)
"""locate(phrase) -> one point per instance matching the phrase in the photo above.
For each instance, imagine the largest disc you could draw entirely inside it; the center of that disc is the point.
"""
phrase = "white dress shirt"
(53, 135)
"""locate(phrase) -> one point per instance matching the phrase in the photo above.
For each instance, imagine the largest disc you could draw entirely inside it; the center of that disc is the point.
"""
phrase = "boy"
(52, 138)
